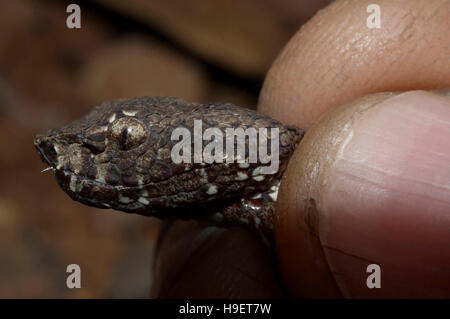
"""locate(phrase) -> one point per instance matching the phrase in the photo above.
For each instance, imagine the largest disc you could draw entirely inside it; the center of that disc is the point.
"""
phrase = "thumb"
(370, 184)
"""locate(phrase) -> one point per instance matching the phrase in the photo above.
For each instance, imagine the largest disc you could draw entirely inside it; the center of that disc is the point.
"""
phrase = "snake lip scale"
(119, 156)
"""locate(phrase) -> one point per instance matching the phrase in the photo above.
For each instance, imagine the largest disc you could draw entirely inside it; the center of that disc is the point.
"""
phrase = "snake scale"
(119, 156)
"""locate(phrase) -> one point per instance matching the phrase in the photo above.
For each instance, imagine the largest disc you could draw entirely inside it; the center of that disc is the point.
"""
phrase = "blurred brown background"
(201, 50)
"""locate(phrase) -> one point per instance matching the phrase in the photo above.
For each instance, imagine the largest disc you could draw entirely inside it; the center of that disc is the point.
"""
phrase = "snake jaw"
(85, 175)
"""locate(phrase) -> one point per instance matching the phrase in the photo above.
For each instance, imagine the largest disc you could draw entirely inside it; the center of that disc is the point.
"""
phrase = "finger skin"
(323, 66)
(381, 196)
(301, 254)
(335, 57)
(199, 260)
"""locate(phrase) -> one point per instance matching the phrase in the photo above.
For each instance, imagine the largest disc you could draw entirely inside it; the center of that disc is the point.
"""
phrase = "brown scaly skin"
(119, 156)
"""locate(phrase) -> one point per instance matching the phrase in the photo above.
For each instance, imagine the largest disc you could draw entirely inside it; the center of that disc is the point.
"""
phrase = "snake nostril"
(95, 143)
(95, 148)
(48, 152)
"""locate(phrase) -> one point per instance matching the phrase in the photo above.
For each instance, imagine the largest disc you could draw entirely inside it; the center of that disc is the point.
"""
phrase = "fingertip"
(336, 57)
(370, 185)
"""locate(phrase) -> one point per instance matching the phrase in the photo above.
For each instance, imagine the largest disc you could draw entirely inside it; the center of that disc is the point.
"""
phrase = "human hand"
(370, 182)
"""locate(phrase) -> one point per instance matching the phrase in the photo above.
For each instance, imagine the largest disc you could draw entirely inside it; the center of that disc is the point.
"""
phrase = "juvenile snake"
(119, 156)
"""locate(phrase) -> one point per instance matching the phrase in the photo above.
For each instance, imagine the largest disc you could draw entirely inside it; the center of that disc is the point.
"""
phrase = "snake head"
(119, 156)
(102, 158)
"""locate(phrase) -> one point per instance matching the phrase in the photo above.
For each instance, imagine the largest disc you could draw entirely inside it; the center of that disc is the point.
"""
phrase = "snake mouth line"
(92, 182)
(49, 154)
(94, 193)
(127, 199)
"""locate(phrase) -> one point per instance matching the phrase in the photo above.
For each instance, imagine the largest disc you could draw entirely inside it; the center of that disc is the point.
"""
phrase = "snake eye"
(126, 140)
(128, 132)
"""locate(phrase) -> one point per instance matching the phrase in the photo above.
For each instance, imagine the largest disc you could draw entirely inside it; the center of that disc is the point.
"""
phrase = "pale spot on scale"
(56, 148)
(112, 118)
(256, 196)
(100, 179)
(212, 189)
(124, 199)
(274, 194)
(129, 112)
(73, 184)
(244, 165)
(241, 176)
(106, 205)
(259, 178)
(144, 193)
(256, 171)
(143, 201)
(203, 174)
(257, 220)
